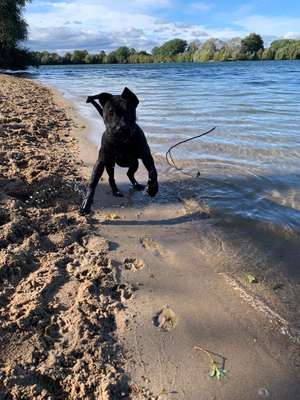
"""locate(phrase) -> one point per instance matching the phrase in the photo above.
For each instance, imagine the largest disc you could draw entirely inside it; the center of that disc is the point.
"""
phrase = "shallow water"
(251, 161)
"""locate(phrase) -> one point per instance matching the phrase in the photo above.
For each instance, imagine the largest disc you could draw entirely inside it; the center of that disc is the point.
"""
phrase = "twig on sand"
(215, 370)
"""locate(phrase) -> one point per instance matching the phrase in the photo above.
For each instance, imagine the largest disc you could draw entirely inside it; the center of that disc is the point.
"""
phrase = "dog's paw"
(152, 188)
(85, 207)
(138, 186)
(84, 210)
(118, 194)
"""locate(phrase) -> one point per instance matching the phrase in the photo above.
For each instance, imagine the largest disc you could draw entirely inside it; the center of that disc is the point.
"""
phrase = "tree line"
(178, 50)
(13, 30)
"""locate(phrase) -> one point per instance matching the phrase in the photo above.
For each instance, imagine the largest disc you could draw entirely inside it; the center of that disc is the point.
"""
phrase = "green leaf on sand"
(249, 278)
(216, 372)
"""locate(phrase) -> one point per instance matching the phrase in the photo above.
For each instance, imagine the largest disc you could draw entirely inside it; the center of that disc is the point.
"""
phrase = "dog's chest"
(125, 155)
(125, 160)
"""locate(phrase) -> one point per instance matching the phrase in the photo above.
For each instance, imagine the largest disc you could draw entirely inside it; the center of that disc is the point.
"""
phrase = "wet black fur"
(123, 143)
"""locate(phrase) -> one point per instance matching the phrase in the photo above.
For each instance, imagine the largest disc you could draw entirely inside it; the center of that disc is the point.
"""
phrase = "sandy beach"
(58, 291)
(112, 306)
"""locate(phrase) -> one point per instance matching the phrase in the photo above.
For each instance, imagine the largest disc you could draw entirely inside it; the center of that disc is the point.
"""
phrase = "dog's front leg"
(152, 188)
(110, 168)
(96, 175)
(131, 171)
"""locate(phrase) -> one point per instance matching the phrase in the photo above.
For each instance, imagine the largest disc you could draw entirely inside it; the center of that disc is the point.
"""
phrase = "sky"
(63, 25)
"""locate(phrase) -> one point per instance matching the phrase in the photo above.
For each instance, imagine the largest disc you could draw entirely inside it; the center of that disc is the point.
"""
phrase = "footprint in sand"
(134, 264)
(149, 244)
(165, 319)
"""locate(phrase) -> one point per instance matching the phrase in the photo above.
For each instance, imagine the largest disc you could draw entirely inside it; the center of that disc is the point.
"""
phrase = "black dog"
(123, 143)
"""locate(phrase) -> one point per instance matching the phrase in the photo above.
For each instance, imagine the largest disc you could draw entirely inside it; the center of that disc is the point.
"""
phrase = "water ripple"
(255, 106)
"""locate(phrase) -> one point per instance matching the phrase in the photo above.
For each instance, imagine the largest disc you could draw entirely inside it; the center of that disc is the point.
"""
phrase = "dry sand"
(58, 294)
(111, 306)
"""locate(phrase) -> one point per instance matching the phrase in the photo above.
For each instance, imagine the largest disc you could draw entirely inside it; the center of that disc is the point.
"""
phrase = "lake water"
(251, 161)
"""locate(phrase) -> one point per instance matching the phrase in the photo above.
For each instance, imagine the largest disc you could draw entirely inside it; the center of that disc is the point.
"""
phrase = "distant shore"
(229, 60)
(251, 48)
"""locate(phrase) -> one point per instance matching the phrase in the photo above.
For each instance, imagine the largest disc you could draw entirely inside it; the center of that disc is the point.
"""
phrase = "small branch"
(169, 154)
(215, 371)
(212, 361)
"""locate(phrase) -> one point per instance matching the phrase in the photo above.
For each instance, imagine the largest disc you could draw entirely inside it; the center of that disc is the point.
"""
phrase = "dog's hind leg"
(131, 171)
(96, 175)
(110, 168)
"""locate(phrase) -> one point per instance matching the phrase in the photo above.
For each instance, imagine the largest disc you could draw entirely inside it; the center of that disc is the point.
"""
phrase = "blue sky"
(62, 25)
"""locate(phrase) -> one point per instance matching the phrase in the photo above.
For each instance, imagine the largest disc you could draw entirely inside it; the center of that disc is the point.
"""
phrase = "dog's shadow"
(236, 198)
(169, 198)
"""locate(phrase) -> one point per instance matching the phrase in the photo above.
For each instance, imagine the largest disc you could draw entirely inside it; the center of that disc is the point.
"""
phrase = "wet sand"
(185, 260)
(81, 297)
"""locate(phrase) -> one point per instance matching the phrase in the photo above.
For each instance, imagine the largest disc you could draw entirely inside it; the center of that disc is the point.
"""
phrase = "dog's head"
(119, 114)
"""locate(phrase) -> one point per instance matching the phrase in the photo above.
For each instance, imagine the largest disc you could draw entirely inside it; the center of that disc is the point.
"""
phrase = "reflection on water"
(251, 162)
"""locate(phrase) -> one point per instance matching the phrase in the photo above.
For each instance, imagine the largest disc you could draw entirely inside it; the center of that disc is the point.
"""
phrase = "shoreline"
(179, 242)
(239, 159)
(260, 296)
(175, 62)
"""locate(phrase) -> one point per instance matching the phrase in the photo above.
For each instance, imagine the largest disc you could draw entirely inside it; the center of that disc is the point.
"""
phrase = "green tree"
(110, 58)
(169, 50)
(55, 59)
(122, 54)
(91, 59)
(224, 54)
(252, 43)
(13, 29)
(259, 54)
(184, 57)
(268, 54)
(67, 58)
(78, 56)
(141, 57)
(101, 57)
(179, 51)
(286, 49)
(208, 50)
(278, 44)
(282, 54)
(45, 59)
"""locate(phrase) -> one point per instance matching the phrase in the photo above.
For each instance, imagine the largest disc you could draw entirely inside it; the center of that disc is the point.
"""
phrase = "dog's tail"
(95, 104)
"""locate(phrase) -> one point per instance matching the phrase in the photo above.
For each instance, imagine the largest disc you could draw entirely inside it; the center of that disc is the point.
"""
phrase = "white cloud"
(102, 25)
(64, 38)
(268, 25)
(105, 24)
(201, 6)
(92, 13)
(152, 4)
(69, 37)
(292, 35)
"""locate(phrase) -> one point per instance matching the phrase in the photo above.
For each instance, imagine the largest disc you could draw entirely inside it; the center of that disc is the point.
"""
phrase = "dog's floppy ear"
(129, 95)
(103, 98)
